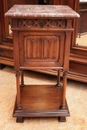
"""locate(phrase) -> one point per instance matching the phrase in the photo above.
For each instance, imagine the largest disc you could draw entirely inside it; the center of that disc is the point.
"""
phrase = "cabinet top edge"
(42, 11)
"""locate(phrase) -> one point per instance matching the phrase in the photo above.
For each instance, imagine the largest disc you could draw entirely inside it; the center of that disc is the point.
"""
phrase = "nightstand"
(42, 36)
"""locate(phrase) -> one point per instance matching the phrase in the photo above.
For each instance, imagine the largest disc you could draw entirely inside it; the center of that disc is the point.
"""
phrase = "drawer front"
(41, 49)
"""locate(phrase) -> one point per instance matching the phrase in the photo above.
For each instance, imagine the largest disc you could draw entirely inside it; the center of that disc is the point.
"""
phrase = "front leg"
(22, 78)
(18, 90)
(63, 105)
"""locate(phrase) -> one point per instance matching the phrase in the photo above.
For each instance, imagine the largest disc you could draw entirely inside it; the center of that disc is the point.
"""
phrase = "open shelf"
(45, 102)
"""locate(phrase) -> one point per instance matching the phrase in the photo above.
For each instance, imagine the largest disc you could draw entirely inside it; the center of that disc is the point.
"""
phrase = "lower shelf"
(41, 101)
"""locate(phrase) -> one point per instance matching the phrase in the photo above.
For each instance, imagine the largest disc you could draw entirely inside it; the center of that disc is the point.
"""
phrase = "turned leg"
(20, 120)
(18, 89)
(63, 105)
(22, 78)
(58, 79)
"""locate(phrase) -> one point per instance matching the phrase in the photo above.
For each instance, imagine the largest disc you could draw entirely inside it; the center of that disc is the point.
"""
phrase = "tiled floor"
(76, 97)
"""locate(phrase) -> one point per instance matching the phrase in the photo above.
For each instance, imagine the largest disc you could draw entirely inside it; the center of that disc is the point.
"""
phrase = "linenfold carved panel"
(36, 48)
(41, 23)
(42, 48)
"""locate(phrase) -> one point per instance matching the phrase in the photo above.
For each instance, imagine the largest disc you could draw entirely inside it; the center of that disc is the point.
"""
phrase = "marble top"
(41, 11)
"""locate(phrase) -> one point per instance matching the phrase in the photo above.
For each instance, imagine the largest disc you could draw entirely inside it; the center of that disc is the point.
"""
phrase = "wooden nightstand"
(41, 36)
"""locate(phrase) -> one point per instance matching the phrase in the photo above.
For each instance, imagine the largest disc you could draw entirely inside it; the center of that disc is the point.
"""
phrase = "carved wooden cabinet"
(41, 37)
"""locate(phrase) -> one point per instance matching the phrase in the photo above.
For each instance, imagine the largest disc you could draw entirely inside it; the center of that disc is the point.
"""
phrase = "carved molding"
(40, 23)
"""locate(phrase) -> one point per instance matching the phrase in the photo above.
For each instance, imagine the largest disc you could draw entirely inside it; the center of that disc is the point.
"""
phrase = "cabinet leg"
(18, 89)
(20, 120)
(62, 119)
(22, 78)
(63, 105)
(58, 79)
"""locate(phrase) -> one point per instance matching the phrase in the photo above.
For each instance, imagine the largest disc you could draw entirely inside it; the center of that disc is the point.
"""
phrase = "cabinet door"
(46, 49)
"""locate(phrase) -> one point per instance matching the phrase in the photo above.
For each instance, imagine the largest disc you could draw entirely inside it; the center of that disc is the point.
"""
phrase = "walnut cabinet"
(41, 37)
